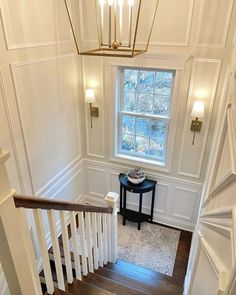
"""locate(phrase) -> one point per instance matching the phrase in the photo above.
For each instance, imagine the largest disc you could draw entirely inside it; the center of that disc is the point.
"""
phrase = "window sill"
(144, 163)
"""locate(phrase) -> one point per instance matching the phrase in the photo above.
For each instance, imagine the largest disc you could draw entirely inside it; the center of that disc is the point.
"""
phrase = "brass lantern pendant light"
(119, 28)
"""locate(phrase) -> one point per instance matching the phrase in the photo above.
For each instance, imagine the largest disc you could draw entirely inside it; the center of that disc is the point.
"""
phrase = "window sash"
(121, 112)
(140, 155)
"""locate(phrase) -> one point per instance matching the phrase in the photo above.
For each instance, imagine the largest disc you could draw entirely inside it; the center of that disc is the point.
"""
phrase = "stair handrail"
(23, 201)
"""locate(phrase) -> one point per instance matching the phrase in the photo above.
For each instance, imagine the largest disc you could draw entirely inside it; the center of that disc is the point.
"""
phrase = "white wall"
(213, 250)
(40, 85)
(40, 82)
(200, 32)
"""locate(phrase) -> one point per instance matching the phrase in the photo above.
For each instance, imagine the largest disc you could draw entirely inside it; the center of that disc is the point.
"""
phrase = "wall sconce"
(198, 111)
(90, 98)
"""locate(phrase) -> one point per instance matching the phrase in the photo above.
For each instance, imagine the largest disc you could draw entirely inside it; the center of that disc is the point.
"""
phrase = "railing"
(93, 233)
(92, 230)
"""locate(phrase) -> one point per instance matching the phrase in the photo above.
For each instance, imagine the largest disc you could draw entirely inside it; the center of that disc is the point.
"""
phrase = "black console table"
(141, 188)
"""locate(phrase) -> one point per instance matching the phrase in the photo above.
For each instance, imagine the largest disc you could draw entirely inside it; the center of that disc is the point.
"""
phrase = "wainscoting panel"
(212, 279)
(225, 170)
(213, 26)
(218, 241)
(48, 110)
(176, 200)
(114, 181)
(23, 26)
(161, 203)
(184, 203)
(8, 141)
(173, 30)
(93, 78)
(96, 181)
(203, 85)
(69, 187)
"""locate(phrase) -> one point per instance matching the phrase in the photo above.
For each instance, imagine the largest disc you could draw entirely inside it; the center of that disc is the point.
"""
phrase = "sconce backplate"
(94, 112)
(196, 126)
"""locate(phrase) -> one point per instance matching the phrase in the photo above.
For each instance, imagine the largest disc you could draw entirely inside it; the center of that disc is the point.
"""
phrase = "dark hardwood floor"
(125, 278)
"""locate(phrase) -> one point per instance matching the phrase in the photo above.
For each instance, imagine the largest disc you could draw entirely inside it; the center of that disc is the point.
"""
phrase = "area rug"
(153, 246)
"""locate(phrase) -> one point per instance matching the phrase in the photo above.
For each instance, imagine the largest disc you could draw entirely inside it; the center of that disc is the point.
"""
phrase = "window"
(144, 112)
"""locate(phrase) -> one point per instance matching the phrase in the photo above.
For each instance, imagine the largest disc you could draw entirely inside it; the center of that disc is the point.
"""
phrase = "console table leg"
(120, 199)
(124, 207)
(140, 211)
(153, 200)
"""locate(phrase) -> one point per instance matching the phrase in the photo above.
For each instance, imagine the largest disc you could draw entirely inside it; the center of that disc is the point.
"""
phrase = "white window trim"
(112, 78)
(149, 116)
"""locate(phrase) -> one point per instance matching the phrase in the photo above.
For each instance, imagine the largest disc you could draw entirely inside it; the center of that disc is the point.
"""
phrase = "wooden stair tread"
(143, 275)
(58, 292)
(84, 288)
(110, 285)
(162, 288)
(125, 278)
(53, 270)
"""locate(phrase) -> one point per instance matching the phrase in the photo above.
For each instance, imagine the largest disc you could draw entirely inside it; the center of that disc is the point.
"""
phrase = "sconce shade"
(198, 110)
(90, 96)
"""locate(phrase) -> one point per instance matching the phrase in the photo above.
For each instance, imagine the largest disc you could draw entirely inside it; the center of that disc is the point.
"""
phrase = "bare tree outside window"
(145, 106)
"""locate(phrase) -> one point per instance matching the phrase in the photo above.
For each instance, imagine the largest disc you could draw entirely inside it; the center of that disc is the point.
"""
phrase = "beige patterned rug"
(153, 247)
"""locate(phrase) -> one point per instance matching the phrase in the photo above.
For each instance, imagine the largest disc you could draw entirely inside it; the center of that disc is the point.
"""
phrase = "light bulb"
(131, 2)
(102, 2)
(110, 2)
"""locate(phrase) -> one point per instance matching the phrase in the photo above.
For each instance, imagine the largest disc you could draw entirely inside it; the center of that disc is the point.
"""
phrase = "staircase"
(121, 278)
(96, 270)
(83, 257)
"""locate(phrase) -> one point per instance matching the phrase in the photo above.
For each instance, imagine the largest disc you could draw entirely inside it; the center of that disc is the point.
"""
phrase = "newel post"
(16, 252)
(111, 200)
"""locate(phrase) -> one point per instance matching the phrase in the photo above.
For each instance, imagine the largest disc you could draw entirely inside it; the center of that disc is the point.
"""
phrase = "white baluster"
(104, 227)
(89, 240)
(75, 242)
(111, 200)
(83, 243)
(65, 240)
(43, 250)
(100, 240)
(109, 236)
(95, 240)
(56, 250)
